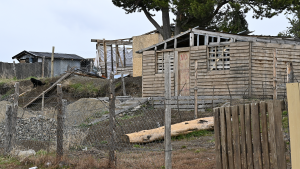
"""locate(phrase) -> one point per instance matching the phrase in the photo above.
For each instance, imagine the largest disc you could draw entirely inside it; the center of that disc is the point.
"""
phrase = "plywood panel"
(293, 96)
(184, 73)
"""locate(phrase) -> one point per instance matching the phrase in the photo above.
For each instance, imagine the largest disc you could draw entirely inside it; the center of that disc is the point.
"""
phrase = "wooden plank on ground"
(248, 137)
(224, 138)
(229, 136)
(243, 136)
(236, 136)
(257, 160)
(265, 143)
(217, 138)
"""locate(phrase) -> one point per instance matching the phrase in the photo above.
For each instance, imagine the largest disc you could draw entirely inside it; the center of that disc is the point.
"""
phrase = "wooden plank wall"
(153, 81)
(245, 138)
(237, 77)
(262, 67)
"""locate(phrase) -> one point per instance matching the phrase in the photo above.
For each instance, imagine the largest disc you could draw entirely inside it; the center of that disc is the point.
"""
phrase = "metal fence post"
(168, 146)
(59, 129)
(112, 126)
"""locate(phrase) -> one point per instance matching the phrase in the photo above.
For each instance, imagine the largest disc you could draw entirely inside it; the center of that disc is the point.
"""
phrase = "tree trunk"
(178, 28)
(166, 23)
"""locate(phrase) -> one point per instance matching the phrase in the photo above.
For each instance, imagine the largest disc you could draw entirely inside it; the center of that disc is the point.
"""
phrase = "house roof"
(48, 55)
(242, 36)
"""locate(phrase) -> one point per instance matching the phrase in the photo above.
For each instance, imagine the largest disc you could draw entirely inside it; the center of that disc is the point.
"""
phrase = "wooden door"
(184, 73)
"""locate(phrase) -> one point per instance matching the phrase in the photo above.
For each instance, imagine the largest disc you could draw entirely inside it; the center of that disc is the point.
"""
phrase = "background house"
(61, 61)
(227, 64)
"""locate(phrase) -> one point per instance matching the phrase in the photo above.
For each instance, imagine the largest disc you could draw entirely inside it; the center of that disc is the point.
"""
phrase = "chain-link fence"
(125, 131)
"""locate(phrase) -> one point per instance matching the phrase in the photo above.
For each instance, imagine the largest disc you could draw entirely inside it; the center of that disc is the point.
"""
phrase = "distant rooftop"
(48, 55)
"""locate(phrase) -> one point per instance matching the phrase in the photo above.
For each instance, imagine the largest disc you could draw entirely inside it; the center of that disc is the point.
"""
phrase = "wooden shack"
(226, 64)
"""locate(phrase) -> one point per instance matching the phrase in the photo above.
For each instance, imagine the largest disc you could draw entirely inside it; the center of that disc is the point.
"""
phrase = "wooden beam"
(124, 56)
(191, 39)
(105, 57)
(112, 58)
(198, 39)
(274, 74)
(290, 73)
(250, 70)
(206, 39)
(175, 43)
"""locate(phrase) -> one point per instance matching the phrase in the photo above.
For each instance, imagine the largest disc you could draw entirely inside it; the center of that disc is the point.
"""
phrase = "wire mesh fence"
(134, 135)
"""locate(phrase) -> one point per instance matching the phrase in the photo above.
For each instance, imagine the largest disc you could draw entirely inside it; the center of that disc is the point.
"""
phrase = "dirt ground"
(74, 88)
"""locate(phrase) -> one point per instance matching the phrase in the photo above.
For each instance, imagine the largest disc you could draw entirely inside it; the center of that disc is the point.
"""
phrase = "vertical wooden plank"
(196, 91)
(257, 160)
(250, 70)
(217, 138)
(243, 136)
(105, 58)
(293, 97)
(248, 137)
(280, 145)
(184, 73)
(274, 74)
(206, 39)
(198, 39)
(236, 136)
(192, 39)
(176, 73)
(273, 157)
(290, 72)
(167, 141)
(229, 136)
(9, 140)
(224, 138)
(124, 55)
(112, 125)
(175, 43)
(112, 58)
(265, 143)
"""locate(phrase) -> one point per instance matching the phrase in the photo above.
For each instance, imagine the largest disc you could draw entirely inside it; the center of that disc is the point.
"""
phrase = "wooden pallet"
(51, 87)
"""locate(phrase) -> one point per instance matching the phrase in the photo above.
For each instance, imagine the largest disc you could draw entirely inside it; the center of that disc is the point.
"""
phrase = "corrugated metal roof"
(48, 55)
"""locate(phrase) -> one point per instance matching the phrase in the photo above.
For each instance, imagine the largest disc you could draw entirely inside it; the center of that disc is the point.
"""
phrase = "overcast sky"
(69, 25)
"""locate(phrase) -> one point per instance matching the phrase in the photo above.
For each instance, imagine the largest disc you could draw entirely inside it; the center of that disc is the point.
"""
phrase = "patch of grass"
(118, 84)
(284, 113)
(137, 146)
(83, 125)
(41, 152)
(8, 161)
(103, 142)
(182, 147)
(197, 151)
(11, 91)
(208, 110)
(193, 134)
(129, 117)
(285, 124)
(99, 114)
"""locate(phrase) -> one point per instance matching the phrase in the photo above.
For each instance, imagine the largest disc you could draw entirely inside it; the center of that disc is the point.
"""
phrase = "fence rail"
(250, 136)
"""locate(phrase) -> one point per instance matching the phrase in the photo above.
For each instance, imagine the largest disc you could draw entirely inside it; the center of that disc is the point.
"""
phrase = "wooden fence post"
(123, 84)
(196, 91)
(105, 57)
(14, 68)
(52, 62)
(59, 128)
(168, 146)
(112, 58)
(9, 136)
(290, 73)
(124, 56)
(43, 102)
(112, 156)
(11, 121)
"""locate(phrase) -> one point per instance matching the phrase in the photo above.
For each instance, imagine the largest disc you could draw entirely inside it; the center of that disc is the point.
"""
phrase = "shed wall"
(140, 42)
(262, 67)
